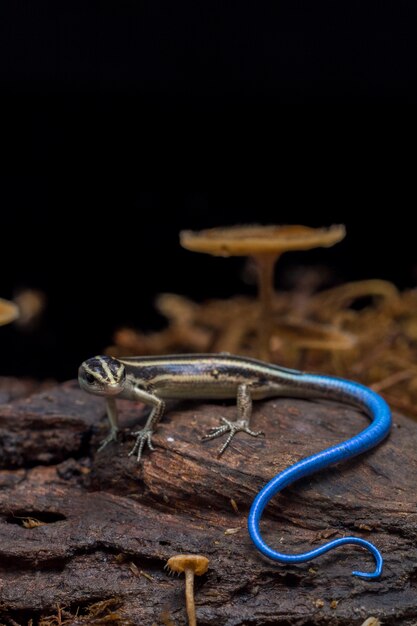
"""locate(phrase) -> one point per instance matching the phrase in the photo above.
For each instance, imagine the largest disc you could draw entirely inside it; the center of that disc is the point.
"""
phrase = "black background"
(288, 112)
(295, 50)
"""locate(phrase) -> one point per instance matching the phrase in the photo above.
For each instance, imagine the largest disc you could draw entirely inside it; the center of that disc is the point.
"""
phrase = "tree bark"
(108, 525)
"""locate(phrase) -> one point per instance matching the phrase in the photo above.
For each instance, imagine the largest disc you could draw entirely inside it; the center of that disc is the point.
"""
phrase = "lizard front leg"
(113, 420)
(244, 409)
(144, 436)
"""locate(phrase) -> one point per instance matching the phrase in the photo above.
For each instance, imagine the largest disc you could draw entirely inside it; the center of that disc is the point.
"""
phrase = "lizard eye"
(90, 378)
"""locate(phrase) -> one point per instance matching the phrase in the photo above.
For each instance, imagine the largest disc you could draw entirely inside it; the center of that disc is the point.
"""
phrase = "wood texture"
(109, 525)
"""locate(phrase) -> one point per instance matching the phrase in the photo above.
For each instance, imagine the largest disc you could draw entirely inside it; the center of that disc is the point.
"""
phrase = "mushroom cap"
(8, 312)
(195, 562)
(256, 239)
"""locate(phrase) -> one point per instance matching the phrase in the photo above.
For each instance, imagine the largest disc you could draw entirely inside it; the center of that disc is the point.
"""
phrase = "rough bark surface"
(109, 525)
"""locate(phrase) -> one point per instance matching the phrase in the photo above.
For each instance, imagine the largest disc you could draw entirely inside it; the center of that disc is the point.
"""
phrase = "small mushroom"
(265, 244)
(8, 312)
(190, 565)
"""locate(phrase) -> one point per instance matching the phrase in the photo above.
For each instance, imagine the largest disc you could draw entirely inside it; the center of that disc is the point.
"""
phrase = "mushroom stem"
(266, 265)
(189, 597)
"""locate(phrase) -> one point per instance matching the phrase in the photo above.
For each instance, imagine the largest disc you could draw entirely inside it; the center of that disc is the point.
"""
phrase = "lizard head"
(102, 375)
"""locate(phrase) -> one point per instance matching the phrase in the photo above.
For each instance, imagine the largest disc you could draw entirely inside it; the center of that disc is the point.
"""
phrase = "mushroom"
(190, 565)
(8, 312)
(264, 244)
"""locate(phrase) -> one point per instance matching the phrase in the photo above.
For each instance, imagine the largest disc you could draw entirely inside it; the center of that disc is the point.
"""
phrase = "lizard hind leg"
(244, 409)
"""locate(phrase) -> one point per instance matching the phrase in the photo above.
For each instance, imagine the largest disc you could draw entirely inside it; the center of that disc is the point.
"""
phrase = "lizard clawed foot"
(232, 428)
(112, 436)
(143, 437)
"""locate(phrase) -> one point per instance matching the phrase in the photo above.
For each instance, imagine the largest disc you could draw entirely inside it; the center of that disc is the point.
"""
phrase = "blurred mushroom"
(31, 303)
(265, 244)
(8, 312)
(190, 565)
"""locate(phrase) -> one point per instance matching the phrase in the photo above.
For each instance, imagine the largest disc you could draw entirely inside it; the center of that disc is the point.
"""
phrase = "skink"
(153, 380)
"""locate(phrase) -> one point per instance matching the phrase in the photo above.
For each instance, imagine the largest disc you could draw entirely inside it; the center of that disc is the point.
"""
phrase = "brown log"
(108, 525)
